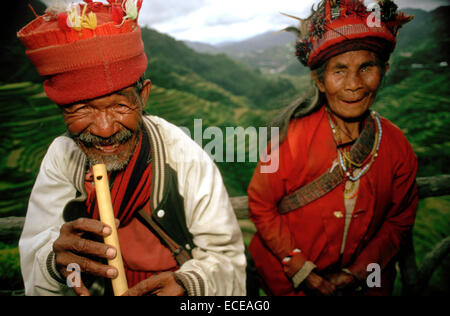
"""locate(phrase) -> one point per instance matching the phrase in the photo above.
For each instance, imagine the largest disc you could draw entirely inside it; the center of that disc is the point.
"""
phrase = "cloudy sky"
(216, 21)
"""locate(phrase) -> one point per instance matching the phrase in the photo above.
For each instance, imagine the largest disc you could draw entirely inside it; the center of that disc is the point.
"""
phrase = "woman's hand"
(317, 285)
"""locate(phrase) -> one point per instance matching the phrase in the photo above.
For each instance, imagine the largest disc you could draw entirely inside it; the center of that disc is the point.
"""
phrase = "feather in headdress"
(292, 29)
(402, 19)
(302, 30)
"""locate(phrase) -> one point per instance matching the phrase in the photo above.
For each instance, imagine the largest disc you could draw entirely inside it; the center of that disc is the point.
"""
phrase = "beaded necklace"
(345, 161)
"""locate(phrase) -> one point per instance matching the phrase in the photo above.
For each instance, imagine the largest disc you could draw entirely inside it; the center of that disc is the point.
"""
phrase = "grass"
(10, 275)
(432, 226)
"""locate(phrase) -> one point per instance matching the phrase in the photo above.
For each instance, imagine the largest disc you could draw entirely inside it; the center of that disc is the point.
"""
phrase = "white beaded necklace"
(375, 153)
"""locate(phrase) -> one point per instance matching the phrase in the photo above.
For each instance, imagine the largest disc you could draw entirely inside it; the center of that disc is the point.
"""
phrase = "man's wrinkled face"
(107, 129)
(350, 83)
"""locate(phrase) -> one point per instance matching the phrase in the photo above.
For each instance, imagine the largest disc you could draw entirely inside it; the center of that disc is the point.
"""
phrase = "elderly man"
(177, 230)
(332, 219)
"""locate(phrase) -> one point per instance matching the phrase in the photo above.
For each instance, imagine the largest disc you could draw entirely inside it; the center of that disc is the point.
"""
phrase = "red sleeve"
(398, 222)
(265, 192)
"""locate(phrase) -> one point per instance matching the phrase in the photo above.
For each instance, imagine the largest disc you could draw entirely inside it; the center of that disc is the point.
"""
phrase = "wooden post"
(105, 207)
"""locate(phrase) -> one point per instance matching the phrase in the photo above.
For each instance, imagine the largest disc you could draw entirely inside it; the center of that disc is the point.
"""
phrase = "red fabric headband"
(101, 54)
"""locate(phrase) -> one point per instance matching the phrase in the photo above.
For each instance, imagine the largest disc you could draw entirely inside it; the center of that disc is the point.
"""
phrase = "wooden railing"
(415, 278)
(428, 187)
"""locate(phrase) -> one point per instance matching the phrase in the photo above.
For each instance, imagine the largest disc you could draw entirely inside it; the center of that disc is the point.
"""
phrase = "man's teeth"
(102, 148)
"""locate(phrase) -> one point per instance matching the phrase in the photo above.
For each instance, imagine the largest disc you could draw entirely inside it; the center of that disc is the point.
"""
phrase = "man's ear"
(388, 66)
(317, 81)
(145, 92)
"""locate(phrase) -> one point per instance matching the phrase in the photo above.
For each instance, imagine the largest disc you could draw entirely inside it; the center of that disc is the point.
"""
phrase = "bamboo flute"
(107, 217)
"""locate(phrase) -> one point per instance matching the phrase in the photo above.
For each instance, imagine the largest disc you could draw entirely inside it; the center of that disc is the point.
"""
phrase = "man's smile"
(107, 149)
(107, 145)
(114, 151)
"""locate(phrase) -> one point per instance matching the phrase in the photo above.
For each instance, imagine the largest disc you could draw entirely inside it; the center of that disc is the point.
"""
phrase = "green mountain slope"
(28, 125)
(169, 57)
(274, 52)
(416, 93)
(420, 105)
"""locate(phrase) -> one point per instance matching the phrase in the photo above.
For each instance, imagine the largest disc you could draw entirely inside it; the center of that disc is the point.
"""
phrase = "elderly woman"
(333, 217)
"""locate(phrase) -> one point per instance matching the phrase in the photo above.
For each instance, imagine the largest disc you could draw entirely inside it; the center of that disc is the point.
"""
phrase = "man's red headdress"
(86, 50)
(338, 26)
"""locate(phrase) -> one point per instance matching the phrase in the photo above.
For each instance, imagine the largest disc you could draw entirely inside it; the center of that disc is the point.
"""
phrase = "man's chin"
(116, 162)
(113, 163)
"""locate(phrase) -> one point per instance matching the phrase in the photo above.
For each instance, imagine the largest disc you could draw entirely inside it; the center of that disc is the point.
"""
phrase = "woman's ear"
(319, 83)
(145, 92)
(388, 66)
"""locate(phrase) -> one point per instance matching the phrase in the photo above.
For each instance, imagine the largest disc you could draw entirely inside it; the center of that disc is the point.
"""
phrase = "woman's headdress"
(338, 26)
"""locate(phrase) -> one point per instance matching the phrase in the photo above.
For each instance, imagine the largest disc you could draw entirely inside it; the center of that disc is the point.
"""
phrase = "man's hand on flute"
(163, 284)
(72, 248)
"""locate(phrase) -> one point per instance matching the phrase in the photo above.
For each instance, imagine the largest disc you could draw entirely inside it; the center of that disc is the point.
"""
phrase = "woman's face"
(350, 83)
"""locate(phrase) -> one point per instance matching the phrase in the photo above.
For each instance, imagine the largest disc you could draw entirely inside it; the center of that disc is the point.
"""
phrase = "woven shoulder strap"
(334, 176)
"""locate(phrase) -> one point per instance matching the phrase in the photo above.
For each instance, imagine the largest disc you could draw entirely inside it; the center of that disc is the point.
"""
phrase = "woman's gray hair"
(303, 106)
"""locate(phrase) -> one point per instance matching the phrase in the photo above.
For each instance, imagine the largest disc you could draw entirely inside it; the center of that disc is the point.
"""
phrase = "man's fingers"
(79, 245)
(143, 288)
(71, 239)
(72, 274)
(86, 265)
(149, 286)
(174, 289)
(87, 225)
(71, 249)
(88, 247)
(163, 284)
(81, 290)
(73, 279)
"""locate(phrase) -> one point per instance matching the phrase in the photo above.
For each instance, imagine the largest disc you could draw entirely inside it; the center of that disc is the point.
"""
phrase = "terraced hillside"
(420, 106)
(28, 124)
(181, 108)
(170, 58)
